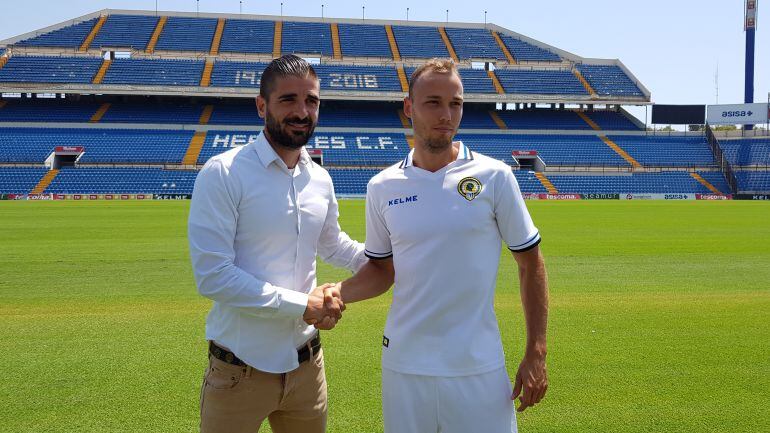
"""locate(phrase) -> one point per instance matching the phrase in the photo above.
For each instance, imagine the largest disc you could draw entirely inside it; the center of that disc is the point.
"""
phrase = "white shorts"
(436, 404)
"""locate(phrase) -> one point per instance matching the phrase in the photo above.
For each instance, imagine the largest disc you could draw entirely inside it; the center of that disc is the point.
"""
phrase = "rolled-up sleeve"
(211, 233)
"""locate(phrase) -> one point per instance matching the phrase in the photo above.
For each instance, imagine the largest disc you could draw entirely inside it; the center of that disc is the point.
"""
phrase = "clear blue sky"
(672, 46)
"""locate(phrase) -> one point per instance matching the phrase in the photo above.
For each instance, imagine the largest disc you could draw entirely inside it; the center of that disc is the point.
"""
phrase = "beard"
(437, 145)
(280, 134)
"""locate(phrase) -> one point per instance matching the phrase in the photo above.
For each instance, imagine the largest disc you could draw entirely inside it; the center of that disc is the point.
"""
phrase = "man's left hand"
(531, 381)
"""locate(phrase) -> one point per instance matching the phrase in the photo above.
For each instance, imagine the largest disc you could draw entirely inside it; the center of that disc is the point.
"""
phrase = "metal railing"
(720, 158)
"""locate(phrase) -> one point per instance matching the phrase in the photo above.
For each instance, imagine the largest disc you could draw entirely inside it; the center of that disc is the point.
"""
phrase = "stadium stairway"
(402, 78)
(336, 41)
(498, 121)
(277, 34)
(585, 83)
(588, 120)
(3, 61)
(705, 183)
(622, 153)
(194, 149)
(156, 35)
(216, 41)
(44, 182)
(206, 115)
(503, 48)
(3, 104)
(546, 183)
(448, 44)
(394, 47)
(92, 35)
(102, 71)
(207, 71)
(496, 82)
(100, 112)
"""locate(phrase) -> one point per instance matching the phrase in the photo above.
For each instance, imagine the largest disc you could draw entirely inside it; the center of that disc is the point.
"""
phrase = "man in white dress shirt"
(436, 221)
(259, 216)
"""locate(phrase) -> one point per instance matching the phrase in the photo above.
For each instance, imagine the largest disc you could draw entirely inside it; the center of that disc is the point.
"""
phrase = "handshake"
(324, 306)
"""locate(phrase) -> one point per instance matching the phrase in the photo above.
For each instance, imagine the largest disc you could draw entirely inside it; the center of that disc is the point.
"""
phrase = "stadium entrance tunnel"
(528, 160)
(64, 156)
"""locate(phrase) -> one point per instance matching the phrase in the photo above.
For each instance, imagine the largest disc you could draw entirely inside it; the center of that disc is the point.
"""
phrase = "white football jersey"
(444, 230)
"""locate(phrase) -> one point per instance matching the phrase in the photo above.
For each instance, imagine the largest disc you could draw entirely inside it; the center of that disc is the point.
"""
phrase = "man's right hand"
(324, 306)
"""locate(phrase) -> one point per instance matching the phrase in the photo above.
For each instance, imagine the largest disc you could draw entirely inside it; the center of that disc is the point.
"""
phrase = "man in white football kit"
(435, 222)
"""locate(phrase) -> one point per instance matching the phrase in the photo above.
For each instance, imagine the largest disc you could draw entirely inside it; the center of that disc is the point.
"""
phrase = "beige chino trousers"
(238, 399)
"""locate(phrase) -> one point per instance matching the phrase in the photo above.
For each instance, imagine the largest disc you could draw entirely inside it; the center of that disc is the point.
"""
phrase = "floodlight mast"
(750, 27)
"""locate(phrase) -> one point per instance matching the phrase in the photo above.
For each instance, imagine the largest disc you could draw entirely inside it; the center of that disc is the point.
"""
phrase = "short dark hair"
(284, 66)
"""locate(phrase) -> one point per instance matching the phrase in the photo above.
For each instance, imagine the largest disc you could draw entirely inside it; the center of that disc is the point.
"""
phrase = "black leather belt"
(303, 353)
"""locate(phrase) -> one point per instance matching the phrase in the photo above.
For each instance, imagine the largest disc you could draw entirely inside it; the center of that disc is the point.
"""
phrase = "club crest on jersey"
(469, 188)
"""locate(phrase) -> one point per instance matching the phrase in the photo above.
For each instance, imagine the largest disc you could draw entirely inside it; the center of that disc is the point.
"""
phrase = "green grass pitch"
(660, 320)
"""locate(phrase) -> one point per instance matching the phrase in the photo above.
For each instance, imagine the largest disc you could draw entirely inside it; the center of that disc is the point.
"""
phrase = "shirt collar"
(267, 154)
(463, 153)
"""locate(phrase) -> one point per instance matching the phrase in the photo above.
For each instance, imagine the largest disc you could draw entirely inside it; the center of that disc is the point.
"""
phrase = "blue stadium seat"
(659, 183)
(221, 141)
(49, 69)
(474, 44)
(20, 180)
(545, 82)
(477, 118)
(237, 74)
(248, 36)
(524, 51)
(474, 80)
(671, 151)
(753, 181)
(187, 34)
(747, 151)
(717, 179)
(612, 121)
(306, 38)
(364, 40)
(419, 42)
(236, 114)
(121, 180)
(339, 148)
(155, 72)
(360, 115)
(351, 181)
(542, 119)
(358, 78)
(47, 111)
(71, 36)
(34, 145)
(152, 112)
(332, 77)
(578, 150)
(529, 183)
(477, 81)
(126, 31)
(609, 80)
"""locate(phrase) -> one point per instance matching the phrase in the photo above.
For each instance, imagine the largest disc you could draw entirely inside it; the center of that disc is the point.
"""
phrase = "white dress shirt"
(255, 228)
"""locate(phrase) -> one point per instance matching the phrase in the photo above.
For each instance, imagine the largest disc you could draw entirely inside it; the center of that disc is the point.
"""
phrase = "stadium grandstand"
(133, 103)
